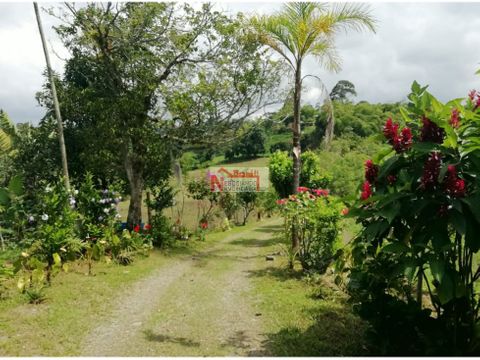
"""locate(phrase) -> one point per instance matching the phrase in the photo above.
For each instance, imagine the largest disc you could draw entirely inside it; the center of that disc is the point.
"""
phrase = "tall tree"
(301, 29)
(341, 90)
(127, 74)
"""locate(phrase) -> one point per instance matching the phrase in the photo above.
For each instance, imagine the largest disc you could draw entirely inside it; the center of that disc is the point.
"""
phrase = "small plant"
(316, 216)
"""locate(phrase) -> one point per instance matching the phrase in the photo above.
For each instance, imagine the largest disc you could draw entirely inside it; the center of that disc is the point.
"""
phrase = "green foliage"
(281, 172)
(248, 201)
(161, 231)
(249, 146)
(341, 90)
(419, 212)
(316, 218)
(229, 204)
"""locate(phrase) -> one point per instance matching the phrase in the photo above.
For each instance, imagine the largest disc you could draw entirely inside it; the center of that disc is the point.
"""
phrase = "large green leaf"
(15, 185)
(4, 197)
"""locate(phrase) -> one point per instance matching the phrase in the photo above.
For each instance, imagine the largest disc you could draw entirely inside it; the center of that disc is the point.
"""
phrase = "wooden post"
(61, 139)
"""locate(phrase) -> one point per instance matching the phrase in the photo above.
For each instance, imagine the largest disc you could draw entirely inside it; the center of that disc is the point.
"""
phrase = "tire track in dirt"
(193, 305)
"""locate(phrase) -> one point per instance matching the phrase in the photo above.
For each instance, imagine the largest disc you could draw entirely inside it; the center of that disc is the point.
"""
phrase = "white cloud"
(433, 43)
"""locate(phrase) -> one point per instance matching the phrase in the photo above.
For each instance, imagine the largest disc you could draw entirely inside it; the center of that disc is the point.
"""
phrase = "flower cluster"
(108, 202)
(366, 190)
(304, 193)
(431, 132)
(474, 97)
(431, 170)
(371, 171)
(400, 142)
(453, 185)
(455, 118)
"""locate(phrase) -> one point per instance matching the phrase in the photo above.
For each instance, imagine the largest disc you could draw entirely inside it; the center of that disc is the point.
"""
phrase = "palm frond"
(326, 53)
(347, 16)
(5, 141)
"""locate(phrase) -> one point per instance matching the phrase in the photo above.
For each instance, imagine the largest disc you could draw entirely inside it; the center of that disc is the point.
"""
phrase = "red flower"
(431, 132)
(391, 179)
(455, 118)
(431, 170)
(302, 189)
(345, 211)
(454, 186)
(399, 142)
(371, 171)
(472, 94)
(136, 228)
(204, 225)
(321, 192)
(147, 227)
(390, 130)
(366, 191)
(281, 201)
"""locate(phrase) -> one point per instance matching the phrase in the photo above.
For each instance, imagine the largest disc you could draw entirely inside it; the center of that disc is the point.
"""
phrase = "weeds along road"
(201, 304)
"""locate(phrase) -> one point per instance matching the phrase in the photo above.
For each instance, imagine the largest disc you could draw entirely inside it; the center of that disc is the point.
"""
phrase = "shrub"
(248, 201)
(315, 216)
(161, 231)
(281, 172)
(420, 214)
(229, 204)
(281, 146)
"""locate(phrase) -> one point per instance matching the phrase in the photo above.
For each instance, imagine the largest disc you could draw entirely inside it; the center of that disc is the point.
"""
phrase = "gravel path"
(201, 305)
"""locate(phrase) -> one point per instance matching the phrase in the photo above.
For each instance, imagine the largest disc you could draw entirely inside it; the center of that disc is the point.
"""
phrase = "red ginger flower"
(472, 94)
(431, 132)
(391, 179)
(399, 142)
(390, 130)
(431, 170)
(454, 186)
(136, 228)
(455, 118)
(371, 171)
(366, 191)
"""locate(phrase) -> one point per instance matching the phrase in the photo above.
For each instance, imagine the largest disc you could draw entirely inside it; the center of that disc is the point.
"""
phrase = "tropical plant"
(302, 29)
(316, 215)
(420, 214)
(281, 177)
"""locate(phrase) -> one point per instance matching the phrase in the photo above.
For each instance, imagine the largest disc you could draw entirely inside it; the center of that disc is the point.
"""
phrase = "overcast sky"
(434, 43)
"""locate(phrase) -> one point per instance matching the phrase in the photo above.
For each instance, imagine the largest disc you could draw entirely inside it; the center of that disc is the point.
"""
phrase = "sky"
(436, 44)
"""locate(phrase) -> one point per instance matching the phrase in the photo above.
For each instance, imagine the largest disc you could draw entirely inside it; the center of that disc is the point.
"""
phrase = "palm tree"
(301, 29)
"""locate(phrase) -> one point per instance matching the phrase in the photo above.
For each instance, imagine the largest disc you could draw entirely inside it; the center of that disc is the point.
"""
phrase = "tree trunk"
(134, 170)
(420, 287)
(330, 127)
(149, 210)
(297, 150)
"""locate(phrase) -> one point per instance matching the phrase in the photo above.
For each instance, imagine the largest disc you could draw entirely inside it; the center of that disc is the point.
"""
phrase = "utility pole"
(61, 139)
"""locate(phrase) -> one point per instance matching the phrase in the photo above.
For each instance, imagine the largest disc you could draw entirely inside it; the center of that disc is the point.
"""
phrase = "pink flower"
(281, 201)
(302, 189)
(147, 227)
(366, 191)
(345, 211)
(455, 118)
(472, 94)
(321, 192)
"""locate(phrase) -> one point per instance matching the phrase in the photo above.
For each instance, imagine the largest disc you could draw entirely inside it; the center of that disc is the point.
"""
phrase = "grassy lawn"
(305, 316)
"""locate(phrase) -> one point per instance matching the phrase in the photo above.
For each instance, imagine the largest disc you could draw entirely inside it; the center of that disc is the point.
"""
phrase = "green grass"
(75, 303)
(306, 316)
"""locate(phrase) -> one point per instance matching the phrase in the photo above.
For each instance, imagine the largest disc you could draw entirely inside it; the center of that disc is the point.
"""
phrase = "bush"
(419, 209)
(281, 146)
(161, 231)
(315, 216)
(281, 172)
